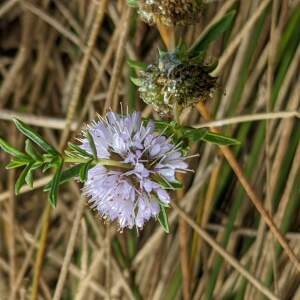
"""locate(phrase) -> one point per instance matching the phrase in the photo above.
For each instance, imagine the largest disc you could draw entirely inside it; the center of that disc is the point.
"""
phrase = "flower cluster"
(170, 12)
(131, 193)
(175, 79)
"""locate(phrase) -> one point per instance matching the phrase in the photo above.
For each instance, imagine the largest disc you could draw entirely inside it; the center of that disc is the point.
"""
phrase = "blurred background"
(64, 61)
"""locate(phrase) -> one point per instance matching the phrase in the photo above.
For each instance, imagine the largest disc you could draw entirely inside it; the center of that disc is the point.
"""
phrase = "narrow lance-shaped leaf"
(78, 151)
(46, 167)
(174, 185)
(83, 173)
(213, 33)
(66, 176)
(35, 137)
(132, 3)
(16, 163)
(29, 177)
(11, 150)
(21, 179)
(92, 144)
(53, 193)
(219, 139)
(194, 134)
(132, 89)
(163, 219)
(136, 64)
(31, 151)
(137, 81)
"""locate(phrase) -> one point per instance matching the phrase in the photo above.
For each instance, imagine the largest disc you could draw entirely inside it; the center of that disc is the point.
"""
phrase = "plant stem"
(102, 162)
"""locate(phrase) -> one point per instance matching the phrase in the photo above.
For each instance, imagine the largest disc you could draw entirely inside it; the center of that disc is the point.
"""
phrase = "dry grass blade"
(65, 63)
(254, 199)
(231, 260)
(69, 251)
(250, 118)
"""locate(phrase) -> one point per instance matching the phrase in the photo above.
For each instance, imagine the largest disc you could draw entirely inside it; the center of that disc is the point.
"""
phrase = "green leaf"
(29, 177)
(163, 219)
(194, 134)
(35, 137)
(163, 182)
(31, 151)
(132, 90)
(213, 33)
(47, 167)
(78, 151)
(92, 144)
(50, 161)
(137, 81)
(219, 139)
(160, 124)
(21, 179)
(83, 173)
(132, 3)
(66, 176)
(16, 163)
(47, 157)
(53, 193)
(176, 185)
(137, 65)
(37, 165)
(6, 147)
(191, 135)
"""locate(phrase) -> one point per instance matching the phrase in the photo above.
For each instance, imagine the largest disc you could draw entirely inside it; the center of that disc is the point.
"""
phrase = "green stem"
(102, 162)
(177, 112)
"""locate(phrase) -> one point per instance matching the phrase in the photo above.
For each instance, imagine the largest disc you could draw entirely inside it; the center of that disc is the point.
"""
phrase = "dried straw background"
(61, 62)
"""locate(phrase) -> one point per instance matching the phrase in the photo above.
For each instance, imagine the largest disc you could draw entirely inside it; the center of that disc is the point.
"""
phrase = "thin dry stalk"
(111, 99)
(70, 249)
(184, 253)
(98, 257)
(5, 7)
(230, 259)
(101, 8)
(39, 260)
(237, 39)
(36, 184)
(70, 115)
(251, 193)
(250, 118)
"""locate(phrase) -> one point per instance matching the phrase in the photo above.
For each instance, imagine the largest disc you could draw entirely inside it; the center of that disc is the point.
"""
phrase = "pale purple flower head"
(130, 196)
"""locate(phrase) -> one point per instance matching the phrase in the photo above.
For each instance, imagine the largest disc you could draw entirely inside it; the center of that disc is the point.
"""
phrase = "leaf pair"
(35, 137)
(51, 159)
(66, 176)
(33, 159)
(189, 135)
(80, 170)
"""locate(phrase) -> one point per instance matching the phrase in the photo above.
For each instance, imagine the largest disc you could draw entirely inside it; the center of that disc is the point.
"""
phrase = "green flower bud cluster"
(170, 12)
(176, 80)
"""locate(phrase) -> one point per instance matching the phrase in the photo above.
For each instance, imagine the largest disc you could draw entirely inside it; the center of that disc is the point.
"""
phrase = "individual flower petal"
(163, 196)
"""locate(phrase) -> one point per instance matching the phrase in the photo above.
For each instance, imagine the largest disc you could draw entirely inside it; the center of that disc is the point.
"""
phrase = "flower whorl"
(169, 12)
(133, 195)
(175, 79)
